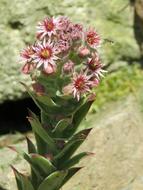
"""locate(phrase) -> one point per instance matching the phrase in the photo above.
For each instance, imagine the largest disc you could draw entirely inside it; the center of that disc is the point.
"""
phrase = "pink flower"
(92, 38)
(68, 67)
(45, 54)
(95, 67)
(47, 27)
(27, 53)
(83, 52)
(28, 68)
(62, 46)
(76, 31)
(94, 82)
(63, 23)
(80, 85)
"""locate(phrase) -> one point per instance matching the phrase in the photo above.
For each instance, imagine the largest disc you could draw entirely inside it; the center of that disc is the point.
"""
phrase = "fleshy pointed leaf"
(47, 101)
(37, 128)
(23, 182)
(39, 101)
(31, 146)
(42, 146)
(34, 175)
(68, 150)
(71, 146)
(61, 126)
(78, 117)
(43, 165)
(27, 157)
(81, 134)
(74, 160)
(53, 181)
(71, 173)
(18, 178)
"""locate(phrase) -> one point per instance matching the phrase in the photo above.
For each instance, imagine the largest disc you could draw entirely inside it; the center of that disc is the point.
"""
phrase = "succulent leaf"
(71, 146)
(71, 173)
(42, 164)
(23, 182)
(67, 151)
(78, 117)
(37, 128)
(61, 126)
(47, 101)
(42, 146)
(31, 146)
(74, 160)
(53, 181)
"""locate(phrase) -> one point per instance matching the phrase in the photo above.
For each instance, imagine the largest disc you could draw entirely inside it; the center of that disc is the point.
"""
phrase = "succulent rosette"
(65, 68)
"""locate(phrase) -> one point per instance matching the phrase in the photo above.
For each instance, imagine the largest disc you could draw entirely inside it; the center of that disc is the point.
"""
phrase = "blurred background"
(117, 114)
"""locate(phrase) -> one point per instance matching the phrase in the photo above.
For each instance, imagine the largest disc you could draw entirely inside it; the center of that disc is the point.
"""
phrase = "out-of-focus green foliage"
(118, 84)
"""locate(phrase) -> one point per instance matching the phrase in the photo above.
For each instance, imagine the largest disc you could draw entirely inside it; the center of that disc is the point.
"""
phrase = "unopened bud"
(68, 67)
(50, 69)
(38, 88)
(83, 52)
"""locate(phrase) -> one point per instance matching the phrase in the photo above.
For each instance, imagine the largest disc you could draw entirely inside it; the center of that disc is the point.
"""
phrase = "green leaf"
(23, 182)
(37, 128)
(71, 146)
(78, 117)
(18, 178)
(68, 150)
(34, 176)
(53, 181)
(31, 146)
(74, 160)
(81, 134)
(43, 165)
(40, 101)
(47, 101)
(71, 173)
(42, 146)
(61, 126)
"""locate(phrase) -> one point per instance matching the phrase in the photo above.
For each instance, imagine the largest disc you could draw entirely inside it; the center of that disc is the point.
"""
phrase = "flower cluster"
(67, 48)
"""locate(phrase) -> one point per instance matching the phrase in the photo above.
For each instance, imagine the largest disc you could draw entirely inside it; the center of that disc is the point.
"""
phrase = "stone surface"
(17, 28)
(116, 140)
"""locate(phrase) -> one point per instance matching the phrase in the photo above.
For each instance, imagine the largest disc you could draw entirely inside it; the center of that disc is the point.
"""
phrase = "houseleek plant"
(65, 70)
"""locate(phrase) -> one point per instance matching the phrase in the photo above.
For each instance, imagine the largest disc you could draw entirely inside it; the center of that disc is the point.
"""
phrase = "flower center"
(92, 65)
(80, 83)
(49, 25)
(46, 53)
(91, 38)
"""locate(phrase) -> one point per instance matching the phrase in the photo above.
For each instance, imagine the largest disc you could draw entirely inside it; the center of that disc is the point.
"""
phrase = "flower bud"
(68, 67)
(67, 90)
(83, 52)
(95, 82)
(49, 69)
(38, 88)
(28, 68)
